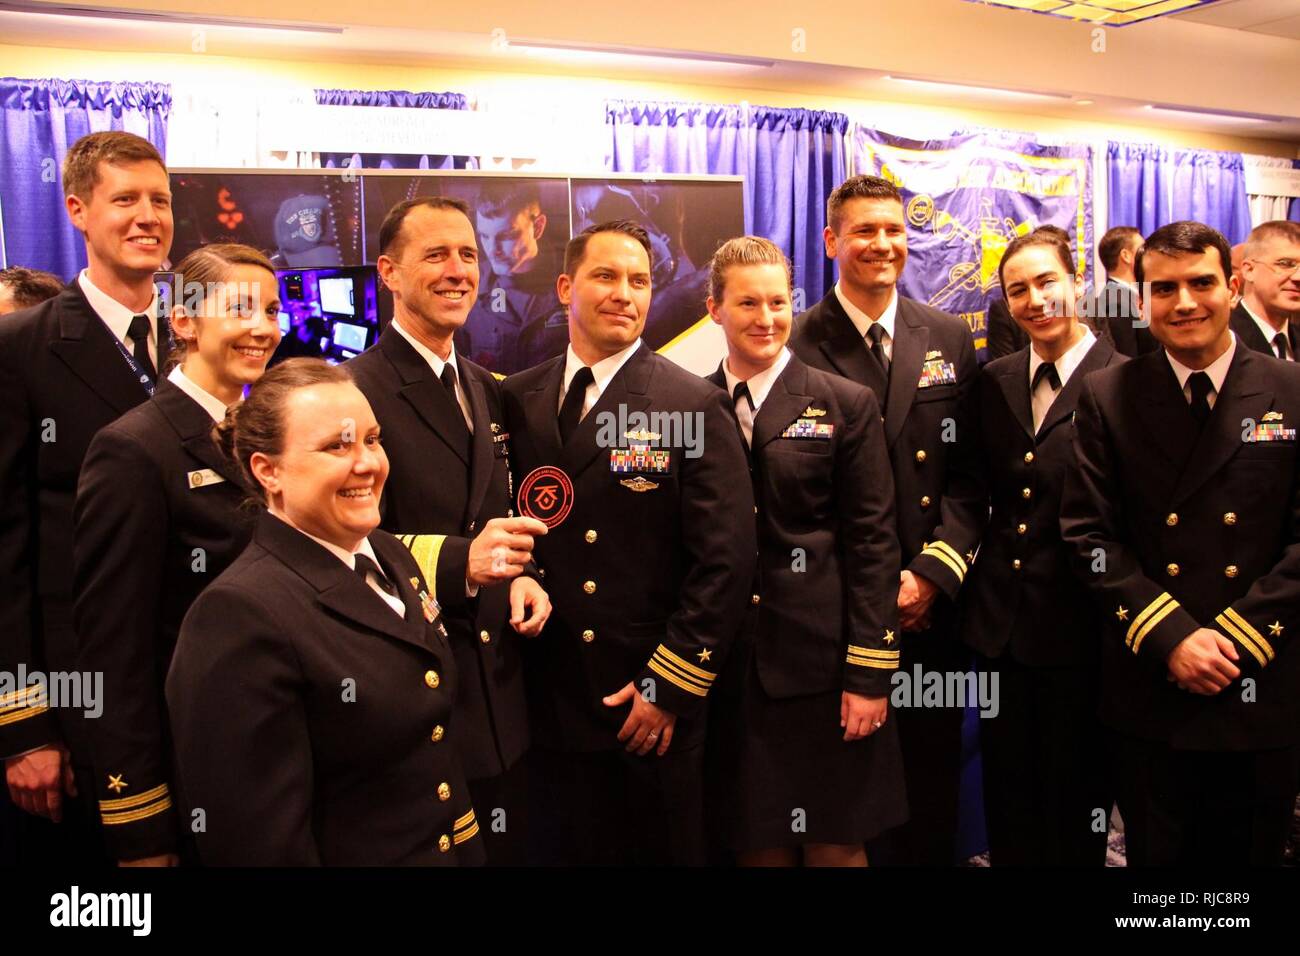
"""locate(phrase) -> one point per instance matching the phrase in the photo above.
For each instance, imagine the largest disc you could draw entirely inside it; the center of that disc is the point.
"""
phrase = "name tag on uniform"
(935, 371)
(1272, 427)
(653, 461)
(202, 477)
(809, 428)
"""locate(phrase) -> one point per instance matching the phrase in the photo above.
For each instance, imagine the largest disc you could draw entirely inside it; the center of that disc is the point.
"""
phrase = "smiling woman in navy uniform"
(808, 761)
(157, 519)
(1188, 482)
(1024, 613)
(312, 687)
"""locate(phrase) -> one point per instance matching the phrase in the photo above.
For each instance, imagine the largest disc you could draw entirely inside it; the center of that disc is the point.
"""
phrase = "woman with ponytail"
(157, 518)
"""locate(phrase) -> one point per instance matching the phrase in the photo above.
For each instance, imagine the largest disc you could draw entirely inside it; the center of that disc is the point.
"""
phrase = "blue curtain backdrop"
(791, 160)
(39, 120)
(1152, 186)
(427, 101)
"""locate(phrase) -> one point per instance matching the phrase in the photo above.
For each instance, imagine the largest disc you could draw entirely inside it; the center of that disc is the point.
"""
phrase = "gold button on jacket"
(431, 679)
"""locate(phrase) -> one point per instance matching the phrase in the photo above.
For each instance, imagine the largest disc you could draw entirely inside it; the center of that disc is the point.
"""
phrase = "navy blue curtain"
(791, 160)
(1152, 186)
(426, 101)
(39, 120)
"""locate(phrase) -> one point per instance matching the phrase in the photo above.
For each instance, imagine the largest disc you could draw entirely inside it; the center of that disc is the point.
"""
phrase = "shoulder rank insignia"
(811, 412)
(1272, 417)
(807, 428)
(642, 435)
(204, 476)
(639, 484)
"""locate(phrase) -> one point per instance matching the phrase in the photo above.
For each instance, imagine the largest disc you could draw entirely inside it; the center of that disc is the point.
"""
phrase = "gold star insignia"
(115, 783)
(1122, 613)
(889, 636)
(705, 655)
(1275, 629)
(970, 557)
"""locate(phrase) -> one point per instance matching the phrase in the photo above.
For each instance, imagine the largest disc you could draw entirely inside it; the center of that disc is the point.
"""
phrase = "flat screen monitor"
(350, 337)
(336, 296)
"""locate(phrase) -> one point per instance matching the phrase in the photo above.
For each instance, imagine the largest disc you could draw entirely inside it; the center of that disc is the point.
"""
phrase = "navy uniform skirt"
(782, 774)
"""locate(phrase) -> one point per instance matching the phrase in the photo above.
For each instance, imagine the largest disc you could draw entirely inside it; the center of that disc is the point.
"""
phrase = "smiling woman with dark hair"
(311, 690)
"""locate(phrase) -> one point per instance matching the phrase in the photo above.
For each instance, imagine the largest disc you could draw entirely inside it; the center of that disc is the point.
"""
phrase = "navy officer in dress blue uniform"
(1031, 621)
(68, 367)
(312, 689)
(448, 495)
(638, 467)
(1184, 512)
(807, 759)
(920, 363)
(158, 517)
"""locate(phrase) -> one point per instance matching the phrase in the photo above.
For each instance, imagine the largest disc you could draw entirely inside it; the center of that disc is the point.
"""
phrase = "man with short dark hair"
(638, 467)
(23, 288)
(1183, 512)
(68, 367)
(517, 321)
(920, 362)
(1267, 319)
(448, 497)
(1113, 308)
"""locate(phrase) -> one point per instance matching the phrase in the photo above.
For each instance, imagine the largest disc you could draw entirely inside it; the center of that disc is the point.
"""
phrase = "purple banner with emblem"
(966, 197)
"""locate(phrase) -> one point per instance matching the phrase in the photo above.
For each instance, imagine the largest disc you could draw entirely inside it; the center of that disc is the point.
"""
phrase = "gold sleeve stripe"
(949, 550)
(424, 548)
(464, 821)
(25, 696)
(668, 667)
(1155, 619)
(958, 567)
(1257, 637)
(871, 652)
(685, 664)
(126, 803)
(666, 675)
(878, 665)
(1146, 613)
(462, 835)
(1242, 639)
(23, 714)
(113, 819)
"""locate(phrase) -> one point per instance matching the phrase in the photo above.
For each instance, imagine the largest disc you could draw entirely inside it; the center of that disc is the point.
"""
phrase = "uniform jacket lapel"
(911, 340)
(1241, 399)
(481, 443)
(1014, 382)
(785, 403)
(628, 388)
(542, 411)
(87, 346)
(425, 393)
(846, 350)
(193, 425)
(337, 588)
(1248, 332)
(1162, 407)
(1067, 399)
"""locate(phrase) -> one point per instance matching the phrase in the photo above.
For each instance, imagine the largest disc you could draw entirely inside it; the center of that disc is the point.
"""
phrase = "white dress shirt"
(207, 401)
(602, 373)
(438, 364)
(1217, 370)
(863, 322)
(350, 559)
(118, 317)
(1044, 395)
(1271, 333)
(760, 386)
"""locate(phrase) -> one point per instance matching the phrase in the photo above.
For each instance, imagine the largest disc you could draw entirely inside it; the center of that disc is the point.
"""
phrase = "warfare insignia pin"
(811, 412)
(638, 484)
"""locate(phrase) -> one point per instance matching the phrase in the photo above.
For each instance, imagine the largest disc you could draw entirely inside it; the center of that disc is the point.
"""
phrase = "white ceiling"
(1279, 18)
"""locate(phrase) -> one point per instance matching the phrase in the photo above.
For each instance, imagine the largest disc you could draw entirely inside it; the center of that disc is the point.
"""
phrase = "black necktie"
(1047, 370)
(448, 379)
(877, 335)
(1201, 387)
(365, 565)
(138, 333)
(571, 410)
(1280, 345)
(741, 391)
